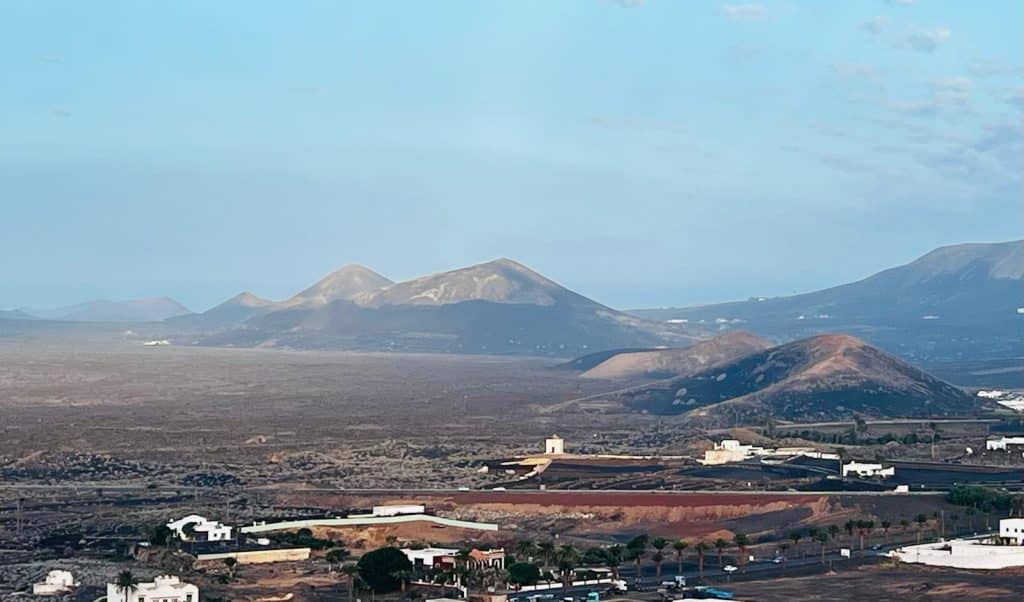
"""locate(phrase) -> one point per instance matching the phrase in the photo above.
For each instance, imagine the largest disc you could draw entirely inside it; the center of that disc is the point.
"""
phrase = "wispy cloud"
(927, 40)
(875, 26)
(60, 112)
(745, 12)
(900, 2)
(1016, 98)
(629, 3)
(952, 91)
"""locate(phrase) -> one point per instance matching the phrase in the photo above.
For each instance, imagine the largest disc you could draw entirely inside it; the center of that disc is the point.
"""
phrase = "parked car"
(729, 568)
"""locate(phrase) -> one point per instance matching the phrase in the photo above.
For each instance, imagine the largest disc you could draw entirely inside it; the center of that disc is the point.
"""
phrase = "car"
(778, 560)
(499, 489)
(876, 547)
(463, 488)
(729, 568)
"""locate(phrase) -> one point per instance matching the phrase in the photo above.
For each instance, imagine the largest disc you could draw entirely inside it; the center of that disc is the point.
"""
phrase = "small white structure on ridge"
(1011, 530)
(163, 589)
(868, 470)
(57, 582)
(554, 445)
(201, 529)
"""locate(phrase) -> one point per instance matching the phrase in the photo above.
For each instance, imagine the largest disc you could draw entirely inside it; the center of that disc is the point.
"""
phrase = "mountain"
(496, 307)
(686, 361)
(234, 311)
(348, 282)
(14, 314)
(498, 281)
(152, 309)
(819, 378)
(955, 303)
(344, 283)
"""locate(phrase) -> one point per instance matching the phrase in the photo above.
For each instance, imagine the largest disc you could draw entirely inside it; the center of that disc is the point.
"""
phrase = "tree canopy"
(379, 567)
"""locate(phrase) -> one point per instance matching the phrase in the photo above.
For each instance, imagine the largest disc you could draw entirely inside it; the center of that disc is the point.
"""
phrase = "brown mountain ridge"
(819, 378)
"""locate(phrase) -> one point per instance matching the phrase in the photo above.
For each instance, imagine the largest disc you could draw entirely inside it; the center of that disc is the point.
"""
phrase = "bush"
(377, 568)
(523, 573)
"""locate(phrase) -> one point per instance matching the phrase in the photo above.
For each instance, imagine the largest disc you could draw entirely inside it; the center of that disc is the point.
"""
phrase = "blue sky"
(644, 153)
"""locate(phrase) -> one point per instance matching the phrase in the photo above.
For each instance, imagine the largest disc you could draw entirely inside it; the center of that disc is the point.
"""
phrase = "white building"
(201, 529)
(868, 470)
(554, 445)
(56, 582)
(1012, 530)
(1002, 443)
(161, 589)
(398, 509)
(729, 450)
(428, 557)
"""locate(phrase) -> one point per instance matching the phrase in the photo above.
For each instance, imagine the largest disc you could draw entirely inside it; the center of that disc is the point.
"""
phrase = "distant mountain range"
(819, 378)
(953, 304)
(342, 284)
(153, 309)
(957, 311)
(496, 307)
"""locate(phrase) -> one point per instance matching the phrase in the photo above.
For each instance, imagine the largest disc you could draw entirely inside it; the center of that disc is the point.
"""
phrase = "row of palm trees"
(566, 558)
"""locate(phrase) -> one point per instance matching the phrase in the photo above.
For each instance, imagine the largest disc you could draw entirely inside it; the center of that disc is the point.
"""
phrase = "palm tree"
(659, 544)
(796, 535)
(823, 538)
(351, 572)
(126, 583)
(920, 519)
(568, 558)
(955, 519)
(742, 541)
(546, 549)
(833, 532)
(403, 577)
(701, 547)
(720, 545)
(613, 556)
(886, 525)
(850, 526)
(230, 562)
(525, 549)
(637, 547)
(863, 527)
(336, 556)
(679, 545)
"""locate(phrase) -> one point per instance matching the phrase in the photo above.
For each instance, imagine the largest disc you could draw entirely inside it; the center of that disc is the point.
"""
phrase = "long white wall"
(369, 520)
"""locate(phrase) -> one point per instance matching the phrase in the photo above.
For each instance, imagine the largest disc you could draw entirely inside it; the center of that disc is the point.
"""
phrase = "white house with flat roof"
(1003, 443)
(165, 588)
(861, 469)
(197, 528)
(1012, 530)
(428, 557)
(57, 582)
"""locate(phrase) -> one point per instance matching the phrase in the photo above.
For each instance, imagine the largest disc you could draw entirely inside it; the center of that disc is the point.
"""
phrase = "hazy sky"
(641, 152)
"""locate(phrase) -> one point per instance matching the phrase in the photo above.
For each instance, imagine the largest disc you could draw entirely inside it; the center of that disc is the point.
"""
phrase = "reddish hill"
(686, 361)
(822, 377)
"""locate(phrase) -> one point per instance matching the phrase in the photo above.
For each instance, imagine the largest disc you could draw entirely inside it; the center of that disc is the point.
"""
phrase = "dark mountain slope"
(955, 303)
(820, 378)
